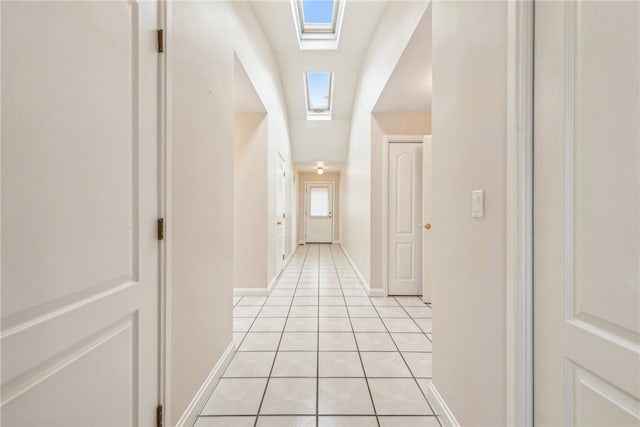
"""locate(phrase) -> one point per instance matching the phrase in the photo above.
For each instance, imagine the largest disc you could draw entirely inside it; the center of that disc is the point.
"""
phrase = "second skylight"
(318, 87)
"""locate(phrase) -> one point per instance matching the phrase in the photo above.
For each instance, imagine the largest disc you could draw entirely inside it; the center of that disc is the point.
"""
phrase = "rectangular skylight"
(318, 12)
(318, 87)
(318, 22)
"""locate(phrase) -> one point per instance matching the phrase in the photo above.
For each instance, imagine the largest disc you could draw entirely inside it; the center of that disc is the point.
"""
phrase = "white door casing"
(319, 212)
(405, 218)
(587, 213)
(281, 184)
(427, 249)
(79, 211)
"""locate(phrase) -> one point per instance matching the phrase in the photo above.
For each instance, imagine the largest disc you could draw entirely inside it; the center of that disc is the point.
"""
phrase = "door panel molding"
(387, 141)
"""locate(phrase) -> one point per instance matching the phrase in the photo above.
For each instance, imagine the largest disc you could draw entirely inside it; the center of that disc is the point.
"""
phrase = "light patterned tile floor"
(319, 352)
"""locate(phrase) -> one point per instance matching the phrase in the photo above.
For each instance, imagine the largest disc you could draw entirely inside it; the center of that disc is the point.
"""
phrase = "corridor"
(319, 352)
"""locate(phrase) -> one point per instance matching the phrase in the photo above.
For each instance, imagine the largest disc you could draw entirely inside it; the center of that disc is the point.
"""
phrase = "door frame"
(386, 141)
(519, 214)
(306, 206)
(165, 114)
(278, 259)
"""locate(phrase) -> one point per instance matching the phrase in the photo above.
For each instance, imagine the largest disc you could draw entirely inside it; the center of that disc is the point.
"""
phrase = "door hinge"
(159, 416)
(283, 215)
(160, 41)
(160, 228)
(282, 256)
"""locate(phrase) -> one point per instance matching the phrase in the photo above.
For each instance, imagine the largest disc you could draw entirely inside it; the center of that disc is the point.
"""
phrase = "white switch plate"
(477, 204)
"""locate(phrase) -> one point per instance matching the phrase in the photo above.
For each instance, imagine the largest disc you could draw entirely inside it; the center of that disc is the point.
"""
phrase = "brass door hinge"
(160, 228)
(159, 416)
(161, 41)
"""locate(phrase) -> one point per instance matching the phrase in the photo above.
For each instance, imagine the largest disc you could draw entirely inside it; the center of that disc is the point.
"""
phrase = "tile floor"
(319, 352)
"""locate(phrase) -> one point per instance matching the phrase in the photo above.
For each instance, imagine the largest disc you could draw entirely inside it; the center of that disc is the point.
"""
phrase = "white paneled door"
(79, 213)
(319, 212)
(281, 185)
(587, 213)
(405, 218)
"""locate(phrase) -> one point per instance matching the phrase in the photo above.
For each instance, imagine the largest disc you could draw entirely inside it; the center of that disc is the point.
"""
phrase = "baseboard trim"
(300, 242)
(196, 405)
(263, 292)
(376, 292)
(371, 292)
(441, 408)
(336, 242)
(251, 292)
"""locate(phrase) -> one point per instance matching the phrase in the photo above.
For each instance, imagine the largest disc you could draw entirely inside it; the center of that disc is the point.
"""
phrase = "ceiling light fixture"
(320, 170)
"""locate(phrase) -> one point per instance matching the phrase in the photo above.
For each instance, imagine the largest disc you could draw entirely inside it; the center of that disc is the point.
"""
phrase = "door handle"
(427, 226)
(279, 223)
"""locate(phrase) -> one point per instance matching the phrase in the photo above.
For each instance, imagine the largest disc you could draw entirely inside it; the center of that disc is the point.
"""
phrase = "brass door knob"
(279, 223)
(427, 226)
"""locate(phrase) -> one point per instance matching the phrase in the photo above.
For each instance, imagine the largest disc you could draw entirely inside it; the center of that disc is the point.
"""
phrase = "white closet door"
(405, 218)
(79, 213)
(587, 213)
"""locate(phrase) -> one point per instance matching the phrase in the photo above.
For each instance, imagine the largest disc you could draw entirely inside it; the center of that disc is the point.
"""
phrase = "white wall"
(323, 141)
(250, 201)
(393, 34)
(403, 123)
(314, 177)
(469, 127)
(201, 45)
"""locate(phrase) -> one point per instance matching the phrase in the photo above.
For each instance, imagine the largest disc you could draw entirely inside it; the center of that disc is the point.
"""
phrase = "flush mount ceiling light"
(320, 170)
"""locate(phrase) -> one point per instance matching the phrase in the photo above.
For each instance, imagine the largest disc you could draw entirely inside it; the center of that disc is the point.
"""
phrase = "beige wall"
(250, 201)
(393, 33)
(201, 46)
(405, 123)
(314, 177)
(469, 123)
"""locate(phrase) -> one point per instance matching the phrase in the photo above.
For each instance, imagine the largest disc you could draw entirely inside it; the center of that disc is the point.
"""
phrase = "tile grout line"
(407, 365)
(266, 386)
(318, 348)
(373, 405)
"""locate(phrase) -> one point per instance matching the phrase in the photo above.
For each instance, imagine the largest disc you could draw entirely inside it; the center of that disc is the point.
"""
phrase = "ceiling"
(414, 66)
(327, 141)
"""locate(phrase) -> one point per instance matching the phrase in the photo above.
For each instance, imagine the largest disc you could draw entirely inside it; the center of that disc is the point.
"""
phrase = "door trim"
(519, 215)
(165, 113)
(386, 140)
(306, 206)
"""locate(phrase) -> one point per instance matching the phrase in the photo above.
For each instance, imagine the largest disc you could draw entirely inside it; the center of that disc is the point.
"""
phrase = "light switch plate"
(477, 204)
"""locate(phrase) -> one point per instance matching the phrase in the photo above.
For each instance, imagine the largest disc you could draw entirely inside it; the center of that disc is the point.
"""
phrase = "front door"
(319, 213)
(79, 213)
(587, 213)
(405, 218)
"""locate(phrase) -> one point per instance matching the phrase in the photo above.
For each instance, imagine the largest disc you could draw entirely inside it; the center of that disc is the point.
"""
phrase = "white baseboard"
(376, 292)
(301, 242)
(194, 408)
(262, 292)
(440, 407)
(250, 292)
(336, 242)
(365, 284)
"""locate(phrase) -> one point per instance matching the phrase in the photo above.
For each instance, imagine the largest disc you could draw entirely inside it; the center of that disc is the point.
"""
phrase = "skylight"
(318, 90)
(318, 15)
(318, 22)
